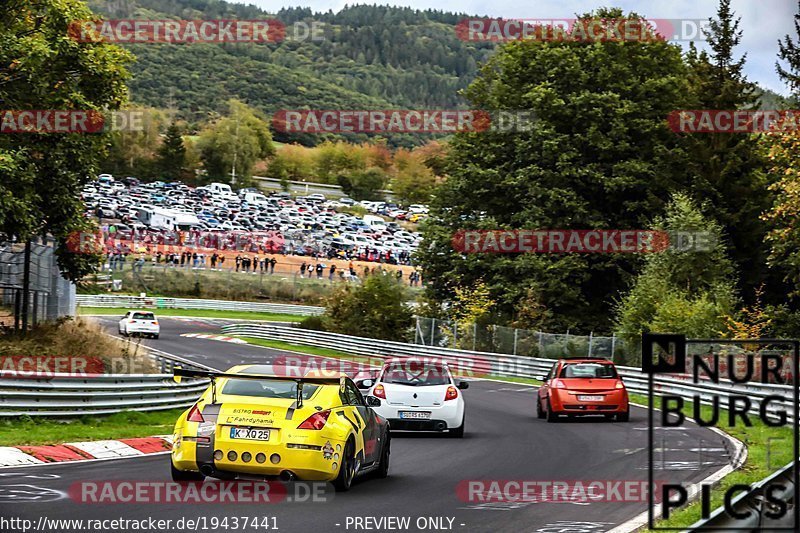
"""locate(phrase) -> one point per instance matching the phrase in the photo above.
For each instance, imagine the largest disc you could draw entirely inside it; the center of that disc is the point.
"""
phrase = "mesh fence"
(50, 296)
(515, 341)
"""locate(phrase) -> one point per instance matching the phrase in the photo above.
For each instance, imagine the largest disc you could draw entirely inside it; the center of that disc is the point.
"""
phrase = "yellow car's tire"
(182, 476)
(383, 469)
(347, 470)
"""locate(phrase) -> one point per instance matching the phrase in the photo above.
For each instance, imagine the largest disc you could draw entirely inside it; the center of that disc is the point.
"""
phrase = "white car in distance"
(139, 323)
(418, 394)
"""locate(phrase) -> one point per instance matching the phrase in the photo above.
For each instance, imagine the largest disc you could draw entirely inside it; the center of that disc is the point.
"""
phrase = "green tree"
(292, 162)
(681, 291)
(414, 182)
(172, 154)
(789, 51)
(728, 169)
(363, 184)
(375, 309)
(783, 155)
(134, 152)
(41, 68)
(599, 155)
(236, 141)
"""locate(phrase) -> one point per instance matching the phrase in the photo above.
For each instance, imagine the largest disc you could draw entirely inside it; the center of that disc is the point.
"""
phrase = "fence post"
(474, 334)
(590, 343)
(455, 333)
(541, 346)
(433, 327)
(516, 331)
(613, 344)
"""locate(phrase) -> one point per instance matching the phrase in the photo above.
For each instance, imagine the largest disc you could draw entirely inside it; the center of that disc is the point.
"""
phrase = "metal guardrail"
(755, 503)
(68, 395)
(301, 186)
(152, 302)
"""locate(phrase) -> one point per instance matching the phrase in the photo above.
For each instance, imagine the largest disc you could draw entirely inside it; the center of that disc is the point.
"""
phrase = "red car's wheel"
(551, 416)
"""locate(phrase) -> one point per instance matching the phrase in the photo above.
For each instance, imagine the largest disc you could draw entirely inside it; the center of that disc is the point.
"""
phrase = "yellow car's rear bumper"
(265, 458)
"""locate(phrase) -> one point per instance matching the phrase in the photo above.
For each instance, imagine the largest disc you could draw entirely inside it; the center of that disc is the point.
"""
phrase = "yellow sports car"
(249, 424)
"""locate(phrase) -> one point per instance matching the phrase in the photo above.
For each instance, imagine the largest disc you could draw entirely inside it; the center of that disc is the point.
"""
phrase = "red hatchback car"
(583, 387)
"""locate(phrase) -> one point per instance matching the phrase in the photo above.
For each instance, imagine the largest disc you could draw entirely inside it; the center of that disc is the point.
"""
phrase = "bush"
(375, 309)
(313, 323)
(79, 338)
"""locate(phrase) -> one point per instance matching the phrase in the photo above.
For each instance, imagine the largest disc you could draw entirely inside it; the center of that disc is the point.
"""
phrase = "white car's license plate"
(423, 415)
(250, 434)
(588, 398)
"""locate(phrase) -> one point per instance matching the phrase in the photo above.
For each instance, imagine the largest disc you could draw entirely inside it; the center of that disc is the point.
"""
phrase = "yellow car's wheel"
(383, 469)
(347, 471)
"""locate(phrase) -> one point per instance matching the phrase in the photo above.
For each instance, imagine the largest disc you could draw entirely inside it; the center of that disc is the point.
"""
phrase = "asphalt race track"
(504, 441)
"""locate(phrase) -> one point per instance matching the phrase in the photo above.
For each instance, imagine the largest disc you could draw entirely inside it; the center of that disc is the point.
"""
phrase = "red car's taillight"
(195, 415)
(379, 391)
(316, 421)
(557, 384)
(619, 385)
(451, 394)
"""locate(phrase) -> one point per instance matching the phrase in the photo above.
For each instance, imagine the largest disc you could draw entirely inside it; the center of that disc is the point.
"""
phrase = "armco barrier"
(474, 363)
(65, 395)
(757, 506)
(152, 302)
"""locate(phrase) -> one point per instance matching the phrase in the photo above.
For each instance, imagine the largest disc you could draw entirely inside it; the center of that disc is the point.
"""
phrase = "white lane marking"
(29, 494)
(212, 337)
(569, 526)
(29, 476)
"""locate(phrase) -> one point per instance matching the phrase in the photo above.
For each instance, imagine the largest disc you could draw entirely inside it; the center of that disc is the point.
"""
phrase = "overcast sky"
(763, 21)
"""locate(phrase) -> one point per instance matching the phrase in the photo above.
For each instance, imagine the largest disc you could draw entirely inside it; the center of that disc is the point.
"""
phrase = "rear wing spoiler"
(180, 372)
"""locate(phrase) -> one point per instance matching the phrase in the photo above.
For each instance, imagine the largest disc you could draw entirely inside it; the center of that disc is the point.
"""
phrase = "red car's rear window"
(588, 370)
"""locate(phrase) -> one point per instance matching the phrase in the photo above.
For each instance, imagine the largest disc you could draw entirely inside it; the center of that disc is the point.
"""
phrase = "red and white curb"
(209, 336)
(83, 451)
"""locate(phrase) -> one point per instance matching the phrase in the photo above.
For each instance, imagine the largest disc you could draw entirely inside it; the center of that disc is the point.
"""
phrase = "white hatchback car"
(143, 323)
(418, 395)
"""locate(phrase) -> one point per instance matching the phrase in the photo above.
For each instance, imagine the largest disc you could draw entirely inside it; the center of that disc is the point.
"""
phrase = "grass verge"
(762, 458)
(26, 430)
(200, 313)
(311, 350)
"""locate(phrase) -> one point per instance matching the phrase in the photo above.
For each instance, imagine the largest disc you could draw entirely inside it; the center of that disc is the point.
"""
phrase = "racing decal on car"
(327, 451)
(247, 420)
